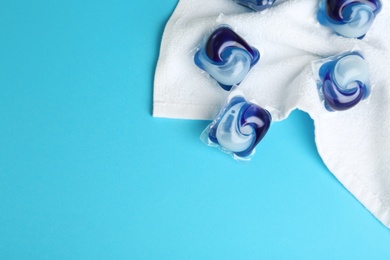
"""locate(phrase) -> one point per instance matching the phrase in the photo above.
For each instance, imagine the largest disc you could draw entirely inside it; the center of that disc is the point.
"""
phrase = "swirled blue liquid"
(240, 127)
(257, 5)
(226, 57)
(349, 18)
(345, 81)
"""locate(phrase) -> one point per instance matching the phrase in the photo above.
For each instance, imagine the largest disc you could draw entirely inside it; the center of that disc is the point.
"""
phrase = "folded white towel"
(354, 144)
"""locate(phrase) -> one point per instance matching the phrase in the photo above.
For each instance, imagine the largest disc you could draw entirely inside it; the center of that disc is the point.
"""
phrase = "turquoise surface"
(87, 173)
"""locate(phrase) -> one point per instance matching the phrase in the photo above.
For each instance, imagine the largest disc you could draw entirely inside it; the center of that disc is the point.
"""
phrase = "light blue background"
(87, 173)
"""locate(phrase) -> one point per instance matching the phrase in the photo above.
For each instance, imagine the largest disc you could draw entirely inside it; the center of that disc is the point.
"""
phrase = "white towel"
(354, 144)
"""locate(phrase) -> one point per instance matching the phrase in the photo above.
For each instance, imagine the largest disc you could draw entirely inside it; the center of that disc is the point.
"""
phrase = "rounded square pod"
(257, 5)
(342, 80)
(349, 18)
(226, 57)
(239, 127)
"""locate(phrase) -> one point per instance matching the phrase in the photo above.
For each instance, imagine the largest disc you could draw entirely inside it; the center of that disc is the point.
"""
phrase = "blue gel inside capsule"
(349, 18)
(344, 81)
(226, 57)
(239, 127)
(257, 5)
